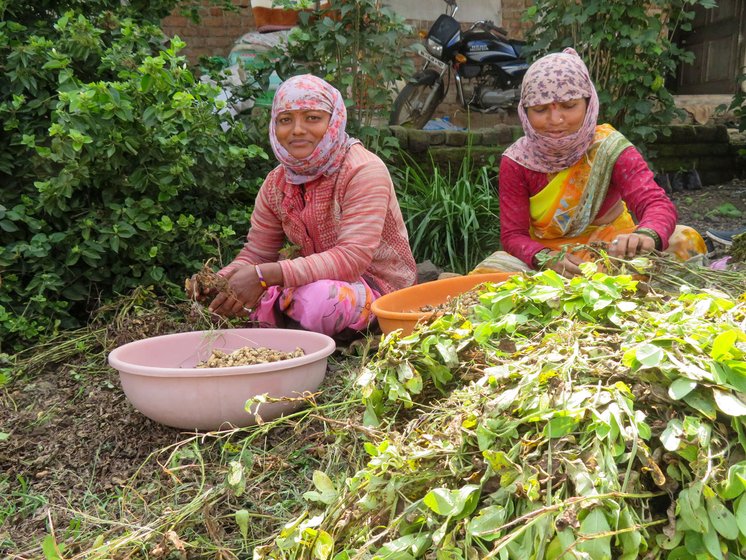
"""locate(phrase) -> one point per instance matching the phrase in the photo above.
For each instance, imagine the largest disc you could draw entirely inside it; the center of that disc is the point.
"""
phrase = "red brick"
(217, 41)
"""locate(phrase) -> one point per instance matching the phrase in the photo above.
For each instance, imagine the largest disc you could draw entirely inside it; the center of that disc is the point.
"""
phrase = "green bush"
(117, 169)
(629, 50)
(453, 219)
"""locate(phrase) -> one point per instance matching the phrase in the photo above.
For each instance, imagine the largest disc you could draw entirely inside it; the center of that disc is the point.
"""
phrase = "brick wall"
(513, 11)
(215, 34)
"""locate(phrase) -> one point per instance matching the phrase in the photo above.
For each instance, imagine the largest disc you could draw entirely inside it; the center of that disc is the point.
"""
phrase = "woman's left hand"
(627, 245)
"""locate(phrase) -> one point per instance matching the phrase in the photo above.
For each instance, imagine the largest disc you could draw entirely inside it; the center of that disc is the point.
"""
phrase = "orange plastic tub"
(396, 310)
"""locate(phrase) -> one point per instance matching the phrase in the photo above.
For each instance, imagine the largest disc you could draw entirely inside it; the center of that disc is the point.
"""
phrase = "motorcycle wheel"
(410, 106)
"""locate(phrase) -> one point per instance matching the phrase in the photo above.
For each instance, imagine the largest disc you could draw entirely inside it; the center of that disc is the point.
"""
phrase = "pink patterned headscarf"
(556, 78)
(309, 93)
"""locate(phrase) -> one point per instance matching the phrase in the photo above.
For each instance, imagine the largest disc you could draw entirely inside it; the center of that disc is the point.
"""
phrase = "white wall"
(468, 10)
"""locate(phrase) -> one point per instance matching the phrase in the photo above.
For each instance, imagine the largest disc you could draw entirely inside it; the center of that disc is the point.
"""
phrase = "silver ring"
(615, 242)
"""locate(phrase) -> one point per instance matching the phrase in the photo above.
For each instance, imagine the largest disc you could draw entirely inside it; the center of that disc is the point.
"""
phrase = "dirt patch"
(716, 207)
(71, 439)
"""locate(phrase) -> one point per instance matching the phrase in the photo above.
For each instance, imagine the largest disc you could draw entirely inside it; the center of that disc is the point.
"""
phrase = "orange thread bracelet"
(259, 275)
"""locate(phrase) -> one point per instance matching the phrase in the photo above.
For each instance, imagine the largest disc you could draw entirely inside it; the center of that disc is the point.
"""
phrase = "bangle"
(652, 234)
(259, 275)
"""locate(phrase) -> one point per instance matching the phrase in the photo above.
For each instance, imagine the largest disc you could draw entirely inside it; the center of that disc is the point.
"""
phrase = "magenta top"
(631, 181)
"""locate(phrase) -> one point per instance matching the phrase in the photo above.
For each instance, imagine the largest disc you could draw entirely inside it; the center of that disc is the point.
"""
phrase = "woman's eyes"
(289, 120)
(567, 105)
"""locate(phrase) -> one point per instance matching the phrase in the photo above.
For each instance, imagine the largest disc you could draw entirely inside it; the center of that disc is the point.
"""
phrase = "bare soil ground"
(715, 207)
(73, 437)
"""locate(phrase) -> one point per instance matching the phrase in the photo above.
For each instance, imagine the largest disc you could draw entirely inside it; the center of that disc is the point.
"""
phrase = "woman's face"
(557, 120)
(299, 132)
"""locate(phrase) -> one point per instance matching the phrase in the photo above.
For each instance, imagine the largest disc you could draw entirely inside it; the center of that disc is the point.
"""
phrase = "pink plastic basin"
(159, 378)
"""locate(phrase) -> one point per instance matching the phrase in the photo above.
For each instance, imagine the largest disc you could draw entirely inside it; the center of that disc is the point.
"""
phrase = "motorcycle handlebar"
(489, 25)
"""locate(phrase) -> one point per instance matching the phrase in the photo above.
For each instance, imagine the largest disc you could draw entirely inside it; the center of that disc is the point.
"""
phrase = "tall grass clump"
(452, 218)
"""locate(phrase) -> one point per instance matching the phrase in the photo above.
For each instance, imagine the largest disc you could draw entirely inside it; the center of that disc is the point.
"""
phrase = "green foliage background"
(117, 167)
(629, 49)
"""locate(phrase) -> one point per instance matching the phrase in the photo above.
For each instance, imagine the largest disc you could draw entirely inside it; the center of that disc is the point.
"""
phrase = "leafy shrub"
(452, 219)
(629, 50)
(118, 168)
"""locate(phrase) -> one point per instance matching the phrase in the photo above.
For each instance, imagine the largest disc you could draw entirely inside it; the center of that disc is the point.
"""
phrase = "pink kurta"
(347, 225)
(631, 181)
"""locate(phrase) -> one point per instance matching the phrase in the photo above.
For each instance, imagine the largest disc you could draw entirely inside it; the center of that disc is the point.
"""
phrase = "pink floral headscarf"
(309, 93)
(555, 77)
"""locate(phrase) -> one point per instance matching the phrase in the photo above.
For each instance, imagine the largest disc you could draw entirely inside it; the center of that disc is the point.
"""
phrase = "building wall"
(428, 10)
(513, 11)
(216, 33)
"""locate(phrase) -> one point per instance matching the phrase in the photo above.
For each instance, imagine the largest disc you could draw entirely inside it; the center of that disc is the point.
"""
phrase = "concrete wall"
(708, 149)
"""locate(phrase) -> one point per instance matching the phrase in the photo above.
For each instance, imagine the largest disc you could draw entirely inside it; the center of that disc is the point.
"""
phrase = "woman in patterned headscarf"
(333, 200)
(569, 181)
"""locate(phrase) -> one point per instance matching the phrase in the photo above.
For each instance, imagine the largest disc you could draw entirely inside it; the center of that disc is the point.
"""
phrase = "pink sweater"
(631, 181)
(348, 225)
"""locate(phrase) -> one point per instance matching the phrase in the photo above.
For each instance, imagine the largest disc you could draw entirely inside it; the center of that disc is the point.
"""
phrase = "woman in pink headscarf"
(569, 181)
(333, 201)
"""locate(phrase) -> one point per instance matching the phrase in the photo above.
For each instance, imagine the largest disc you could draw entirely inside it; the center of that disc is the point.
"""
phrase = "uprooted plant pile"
(594, 418)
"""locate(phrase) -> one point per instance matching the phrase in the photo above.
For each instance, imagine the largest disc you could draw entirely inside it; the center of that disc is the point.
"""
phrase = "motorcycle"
(487, 67)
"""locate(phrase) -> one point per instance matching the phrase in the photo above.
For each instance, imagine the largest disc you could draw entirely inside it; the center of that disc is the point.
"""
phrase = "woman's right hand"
(196, 292)
(243, 292)
(565, 264)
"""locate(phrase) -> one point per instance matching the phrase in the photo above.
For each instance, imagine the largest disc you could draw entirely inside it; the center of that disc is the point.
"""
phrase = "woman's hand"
(196, 291)
(565, 264)
(243, 292)
(627, 245)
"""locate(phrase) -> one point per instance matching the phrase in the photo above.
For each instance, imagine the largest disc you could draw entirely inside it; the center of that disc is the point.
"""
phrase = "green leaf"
(560, 426)
(681, 387)
(735, 484)
(323, 546)
(723, 345)
(598, 547)
(729, 403)
(712, 543)
(691, 508)
(242, 520)
(486, 524)
(631, 539)
(326, 493)
(649, 355)
(721, 518)
(51, 549)
(740, 509)
(734, 372)
(236, 480)
(453, 503)
(671, 436)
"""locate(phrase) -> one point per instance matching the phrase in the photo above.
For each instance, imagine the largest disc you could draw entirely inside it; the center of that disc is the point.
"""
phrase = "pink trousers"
(325, 306)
